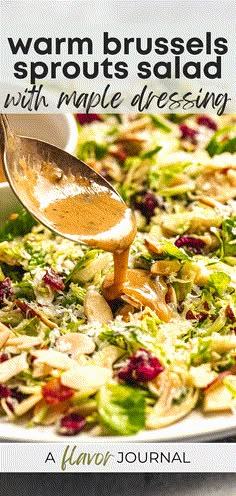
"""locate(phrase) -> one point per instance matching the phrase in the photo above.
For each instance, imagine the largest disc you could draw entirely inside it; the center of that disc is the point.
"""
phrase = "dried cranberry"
(54, 280)
(71, 424)
(200, 317)
(54, 392)
(194, 245)
(120, 153)
(206, 121)
(190, 315)
(146, 203)
(4, 357)
(5, 391)
(229, 313)
(6, 291)
(87, 118)
(188, 133)
(140, 367)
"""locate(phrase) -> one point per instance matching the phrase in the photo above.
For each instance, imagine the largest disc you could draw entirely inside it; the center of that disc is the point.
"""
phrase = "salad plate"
(139, 368)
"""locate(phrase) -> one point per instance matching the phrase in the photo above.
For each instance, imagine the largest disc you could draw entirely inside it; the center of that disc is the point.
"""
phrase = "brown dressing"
(99, 220)
(146, 291)
(141, 290)
(80, 209)
(96, 218)
(83, 210)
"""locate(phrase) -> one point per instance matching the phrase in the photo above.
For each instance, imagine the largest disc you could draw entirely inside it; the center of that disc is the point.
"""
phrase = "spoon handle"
(5, 127)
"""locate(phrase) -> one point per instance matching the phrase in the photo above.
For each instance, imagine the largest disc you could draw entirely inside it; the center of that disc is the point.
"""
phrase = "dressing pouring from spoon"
(68, 197)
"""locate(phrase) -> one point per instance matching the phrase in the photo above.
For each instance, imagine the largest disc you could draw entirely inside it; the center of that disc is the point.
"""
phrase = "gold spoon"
(64, 193)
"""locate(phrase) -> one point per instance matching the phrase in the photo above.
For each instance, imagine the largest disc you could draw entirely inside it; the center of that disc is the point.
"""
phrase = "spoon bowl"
(64, 193)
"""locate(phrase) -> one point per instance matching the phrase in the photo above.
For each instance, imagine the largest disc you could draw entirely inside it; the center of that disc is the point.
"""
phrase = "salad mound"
(167, 345)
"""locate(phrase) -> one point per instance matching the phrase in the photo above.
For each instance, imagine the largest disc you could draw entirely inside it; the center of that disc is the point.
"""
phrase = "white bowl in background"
(57, 129)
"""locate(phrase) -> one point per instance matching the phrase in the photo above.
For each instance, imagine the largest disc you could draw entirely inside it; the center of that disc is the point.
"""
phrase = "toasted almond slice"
(27, 404)
(29, 389)
(4, 335)
(107, 356)
(131, 301)
(96, 308)
(162, 416)
(165, 267)
(12, 367)
(24, 342)
(202, 375)
(171, 295)
(25, 307)
(3, 327)
(148, 292)
(45, 320)
(125, 312)
(153, 244)
(75, 344)
(218, 399)
(54, 359)
(40, 369)
(223, 344)
(90, 377)
(210, 201)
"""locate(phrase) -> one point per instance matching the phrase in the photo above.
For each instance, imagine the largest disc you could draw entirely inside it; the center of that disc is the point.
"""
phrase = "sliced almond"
(148, 292)
(12, 367)
(75, 344)
(131, 301)
(40, 369)
(27, 404)
(24, 342)
(29, 389)
(25, 307)
(223, 344)
(4, 335)
(96, 308)
(171, 296)
(210, 201)
(54, 359)
(165, 267)
(90, 377)
(3, 327)
(218, 399)
(153, 244)
(202, 375)
(161, 415)
(107, 356)
(125, 312)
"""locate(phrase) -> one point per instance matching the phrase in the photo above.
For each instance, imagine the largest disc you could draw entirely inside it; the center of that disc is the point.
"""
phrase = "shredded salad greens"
(69, 358)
